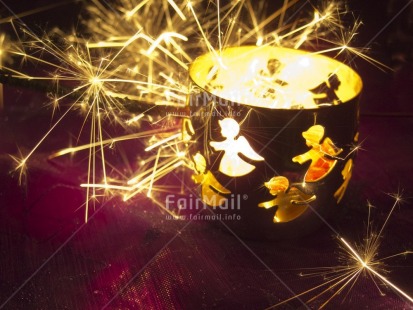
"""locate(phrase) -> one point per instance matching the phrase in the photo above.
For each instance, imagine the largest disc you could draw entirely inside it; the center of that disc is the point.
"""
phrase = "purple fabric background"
(129, 256)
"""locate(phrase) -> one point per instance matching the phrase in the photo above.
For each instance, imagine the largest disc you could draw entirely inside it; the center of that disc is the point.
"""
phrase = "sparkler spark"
(134, 53)
(358, 260)
(140, 50)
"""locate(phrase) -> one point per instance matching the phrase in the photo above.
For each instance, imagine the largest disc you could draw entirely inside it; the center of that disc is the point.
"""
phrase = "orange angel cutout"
(291, 202)
(231, 164)
(346, 173)
(321, 155)
(211, 189)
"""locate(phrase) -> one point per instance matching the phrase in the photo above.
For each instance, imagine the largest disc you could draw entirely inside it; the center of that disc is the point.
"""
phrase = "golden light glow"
(275, 77)
(140, 51)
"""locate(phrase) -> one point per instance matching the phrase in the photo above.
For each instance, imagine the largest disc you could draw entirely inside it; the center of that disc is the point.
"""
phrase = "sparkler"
(358, 260)
(98, 78)
(140, 50)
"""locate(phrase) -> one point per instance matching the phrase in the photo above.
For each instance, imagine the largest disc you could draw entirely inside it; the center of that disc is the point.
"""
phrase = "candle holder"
(273, 132)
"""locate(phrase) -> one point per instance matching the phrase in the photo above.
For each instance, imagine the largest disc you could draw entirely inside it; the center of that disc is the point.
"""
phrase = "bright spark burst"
(358, 260)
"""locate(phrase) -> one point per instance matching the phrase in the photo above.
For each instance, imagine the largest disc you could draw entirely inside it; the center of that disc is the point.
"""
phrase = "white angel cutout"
(231, 164)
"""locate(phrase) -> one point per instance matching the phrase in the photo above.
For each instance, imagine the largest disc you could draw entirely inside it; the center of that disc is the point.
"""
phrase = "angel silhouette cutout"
(273, 69)
(231, 164)
(322, 155)
(291, 202)
(187, 130)
(325, 93)
(346, 173)
(211, 189)
(266, 84)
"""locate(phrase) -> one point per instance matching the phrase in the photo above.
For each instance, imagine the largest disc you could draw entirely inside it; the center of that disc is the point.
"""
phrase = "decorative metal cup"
(273, 132)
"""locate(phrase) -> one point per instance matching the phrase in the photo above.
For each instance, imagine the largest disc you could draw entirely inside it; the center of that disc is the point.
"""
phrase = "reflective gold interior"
(275, 77)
